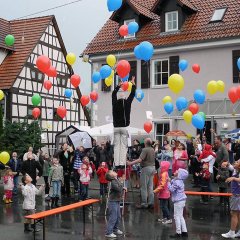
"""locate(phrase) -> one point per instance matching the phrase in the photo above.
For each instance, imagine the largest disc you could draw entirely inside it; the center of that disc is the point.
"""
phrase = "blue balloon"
(146, 50)
(96, 77)
(105, 71)
(139, 95)
(133, 27)
(168, 107)
(125, 79)
(199, 96)
(114, 5)
(181, 103)
(238, 64)
(68, 93)
(137, 52)
(198, 121)
(183, 65)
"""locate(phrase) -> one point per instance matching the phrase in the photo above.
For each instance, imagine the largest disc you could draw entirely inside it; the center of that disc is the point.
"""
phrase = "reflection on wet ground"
(204, 222)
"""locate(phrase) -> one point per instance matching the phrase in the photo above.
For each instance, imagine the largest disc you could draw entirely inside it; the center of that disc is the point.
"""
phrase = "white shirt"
(211, 160)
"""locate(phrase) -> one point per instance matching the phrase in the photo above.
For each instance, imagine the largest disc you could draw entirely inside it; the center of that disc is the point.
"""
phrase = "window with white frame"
(161, 129)
(218, 14)
(126, 22)
(171, 21)
(160, 70)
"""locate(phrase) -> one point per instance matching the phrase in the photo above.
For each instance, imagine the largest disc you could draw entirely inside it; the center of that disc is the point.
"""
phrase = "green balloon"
(9, 40)
(36, 99)
(203, 115)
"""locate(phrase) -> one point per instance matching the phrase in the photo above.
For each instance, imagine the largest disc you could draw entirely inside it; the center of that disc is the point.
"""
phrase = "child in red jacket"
(101, 172)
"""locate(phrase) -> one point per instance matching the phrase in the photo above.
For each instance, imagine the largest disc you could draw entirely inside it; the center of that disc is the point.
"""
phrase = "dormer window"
(171, 21)
(218, 15)
(126, 22)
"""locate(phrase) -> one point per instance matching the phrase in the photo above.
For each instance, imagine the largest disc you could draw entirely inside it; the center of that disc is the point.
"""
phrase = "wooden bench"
(40, 217)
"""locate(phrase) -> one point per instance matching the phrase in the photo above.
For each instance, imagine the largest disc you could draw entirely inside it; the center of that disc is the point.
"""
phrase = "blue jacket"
(11, 164)
(176, 187)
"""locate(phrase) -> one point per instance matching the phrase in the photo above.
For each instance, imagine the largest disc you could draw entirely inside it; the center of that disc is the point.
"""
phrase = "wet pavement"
(204, 222)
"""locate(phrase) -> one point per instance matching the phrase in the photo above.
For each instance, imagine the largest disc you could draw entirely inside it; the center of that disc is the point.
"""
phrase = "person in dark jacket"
(30, 167)
(65, 157)
(15, 165)
(115, 196)
(121, 109)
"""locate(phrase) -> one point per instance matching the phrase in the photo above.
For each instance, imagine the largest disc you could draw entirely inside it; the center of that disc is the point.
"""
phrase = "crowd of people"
(152, 167)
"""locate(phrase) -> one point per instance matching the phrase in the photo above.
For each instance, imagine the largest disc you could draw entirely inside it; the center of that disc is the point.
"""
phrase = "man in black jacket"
(121, 109)
(30, 166)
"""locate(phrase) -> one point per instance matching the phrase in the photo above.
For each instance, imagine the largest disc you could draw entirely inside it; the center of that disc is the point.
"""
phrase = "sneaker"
(118, 232)
(168, 221)
(229, 234)
(237, 235)
(177, 235)
(141, 206)
(162, 220)
(112, 235)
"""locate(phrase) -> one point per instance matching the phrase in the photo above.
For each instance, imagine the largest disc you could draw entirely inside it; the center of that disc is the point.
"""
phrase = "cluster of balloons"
(183, 65)
(234, 94)
(9, 40)
(215, 86)
(4, 157)
(1, 95)
(131, 28)
(147, 126)
(144, 51)
(176, 83)
(114, 5)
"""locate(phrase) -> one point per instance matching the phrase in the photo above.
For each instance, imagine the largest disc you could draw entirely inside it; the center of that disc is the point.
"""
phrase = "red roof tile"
(196, 28)
(32, 30)
(188, 4)
(5, 30)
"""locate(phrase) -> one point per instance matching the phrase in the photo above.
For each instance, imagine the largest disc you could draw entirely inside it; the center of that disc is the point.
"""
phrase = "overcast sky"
(78, 23)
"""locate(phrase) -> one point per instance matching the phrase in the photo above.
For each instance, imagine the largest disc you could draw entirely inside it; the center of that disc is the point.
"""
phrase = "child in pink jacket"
(163, 192)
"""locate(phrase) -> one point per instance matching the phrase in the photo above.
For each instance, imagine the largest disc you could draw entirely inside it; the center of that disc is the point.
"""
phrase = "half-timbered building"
(20, 79)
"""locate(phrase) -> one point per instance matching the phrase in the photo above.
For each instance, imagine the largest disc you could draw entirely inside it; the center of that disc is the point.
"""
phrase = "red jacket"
(101, 172)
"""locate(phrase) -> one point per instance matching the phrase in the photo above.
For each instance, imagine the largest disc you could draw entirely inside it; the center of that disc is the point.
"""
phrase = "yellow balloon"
(4, 157)
(112, 74)
(212, 87)
(71, 58)
(167, 99)
(1, 95)
(187, 116)
(176, 83)
(108, 81)
(129, 86)
(221, 86)
(111, 60)
(189, 136)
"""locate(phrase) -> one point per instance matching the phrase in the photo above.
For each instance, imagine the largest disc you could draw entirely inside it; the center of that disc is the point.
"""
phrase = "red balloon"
(123, 30)
(148, 127)
(194, 108)
(51, 72)
(85, 100)
(36, 112)
(61, 111)
(196, 68)
(75, 80)
(43, 63)
(94, 96)
(123, 68)
(125, 86)
(238, 91)
(232, 94)
(47, 85)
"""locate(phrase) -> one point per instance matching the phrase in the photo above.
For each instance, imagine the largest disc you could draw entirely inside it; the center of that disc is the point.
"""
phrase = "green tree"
(19, 136)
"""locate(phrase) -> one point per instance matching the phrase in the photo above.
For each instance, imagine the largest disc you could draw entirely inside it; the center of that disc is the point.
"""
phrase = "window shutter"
(173, 64)
(133, 71)
(235, 56)
(145, 75)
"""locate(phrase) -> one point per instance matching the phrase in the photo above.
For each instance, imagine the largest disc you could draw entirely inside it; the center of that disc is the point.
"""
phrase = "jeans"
(47, 188)
(56, 188)
(15, 182)
(164, 207)
(84, 192)
(178, 216)
(114, 217)
(120, 146)
(75, 179)
(66, 186)
(146, 181)
(103, 188)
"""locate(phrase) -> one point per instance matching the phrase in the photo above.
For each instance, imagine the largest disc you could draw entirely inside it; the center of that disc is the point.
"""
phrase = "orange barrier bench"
(40, 217)
(216, 194)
